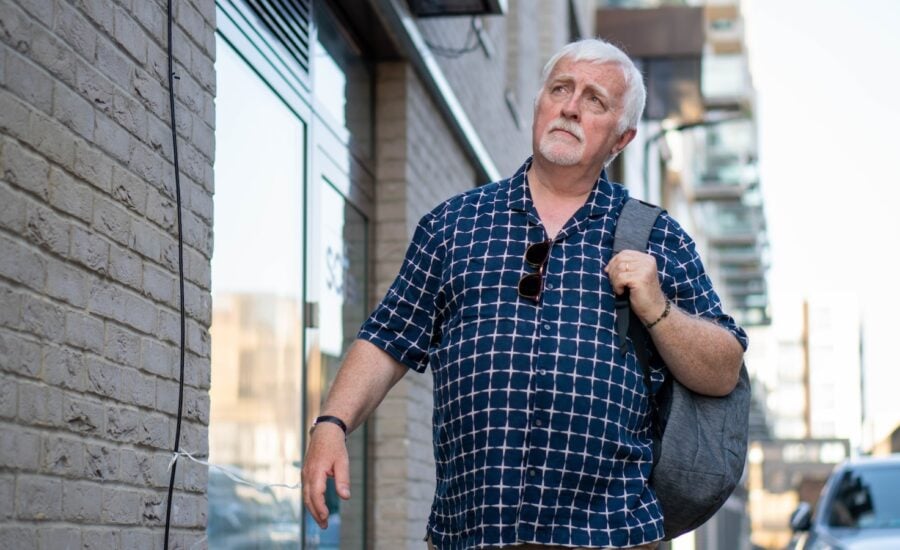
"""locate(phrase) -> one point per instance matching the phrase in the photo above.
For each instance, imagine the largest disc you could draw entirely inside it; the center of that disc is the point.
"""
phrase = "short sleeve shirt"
(541, 427)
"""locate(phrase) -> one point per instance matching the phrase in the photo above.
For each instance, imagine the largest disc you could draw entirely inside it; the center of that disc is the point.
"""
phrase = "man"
(541, 428)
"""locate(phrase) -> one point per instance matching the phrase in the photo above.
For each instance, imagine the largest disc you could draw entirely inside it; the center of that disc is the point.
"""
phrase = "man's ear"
(623, 141)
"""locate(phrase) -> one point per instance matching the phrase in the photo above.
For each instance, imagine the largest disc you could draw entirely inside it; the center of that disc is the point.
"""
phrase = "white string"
(198, 543)
(234, 476)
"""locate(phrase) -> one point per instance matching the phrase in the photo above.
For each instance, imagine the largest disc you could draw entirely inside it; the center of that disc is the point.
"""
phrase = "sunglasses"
(531, 284)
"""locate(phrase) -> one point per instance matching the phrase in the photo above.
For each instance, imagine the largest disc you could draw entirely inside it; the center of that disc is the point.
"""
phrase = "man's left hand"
(638, 272)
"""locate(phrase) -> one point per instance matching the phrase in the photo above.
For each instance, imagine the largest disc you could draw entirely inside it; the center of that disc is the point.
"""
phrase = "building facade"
(311, 137)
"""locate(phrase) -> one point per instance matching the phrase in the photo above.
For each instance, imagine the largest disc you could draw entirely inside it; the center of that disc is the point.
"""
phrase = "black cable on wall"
(172, 78)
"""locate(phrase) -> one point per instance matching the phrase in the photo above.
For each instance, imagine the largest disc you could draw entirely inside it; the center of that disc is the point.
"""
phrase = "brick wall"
(89, 323)
(419, 164)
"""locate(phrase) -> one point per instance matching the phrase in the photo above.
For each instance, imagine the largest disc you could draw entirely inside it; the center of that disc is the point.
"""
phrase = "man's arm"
(700, 354)
(363, 380)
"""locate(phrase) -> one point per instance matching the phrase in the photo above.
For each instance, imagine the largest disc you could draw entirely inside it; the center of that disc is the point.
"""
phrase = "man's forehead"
(604, 73)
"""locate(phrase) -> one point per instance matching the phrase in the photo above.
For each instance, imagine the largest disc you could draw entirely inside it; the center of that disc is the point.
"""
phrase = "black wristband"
(330, 419)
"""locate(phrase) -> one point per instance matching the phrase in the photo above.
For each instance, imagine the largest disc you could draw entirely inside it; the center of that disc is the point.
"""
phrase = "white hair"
(597, 50)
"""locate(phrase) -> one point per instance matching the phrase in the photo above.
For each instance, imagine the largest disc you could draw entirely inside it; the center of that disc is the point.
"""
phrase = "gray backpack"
(700, 442)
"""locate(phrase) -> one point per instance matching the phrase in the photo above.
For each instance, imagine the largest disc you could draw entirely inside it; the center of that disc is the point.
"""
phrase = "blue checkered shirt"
(541, 428)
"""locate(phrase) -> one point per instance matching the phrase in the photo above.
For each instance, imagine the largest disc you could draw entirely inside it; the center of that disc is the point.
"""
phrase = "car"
(859, 508)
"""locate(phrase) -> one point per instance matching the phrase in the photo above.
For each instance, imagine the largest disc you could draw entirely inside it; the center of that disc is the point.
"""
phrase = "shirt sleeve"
(403, 323)
(683, 277)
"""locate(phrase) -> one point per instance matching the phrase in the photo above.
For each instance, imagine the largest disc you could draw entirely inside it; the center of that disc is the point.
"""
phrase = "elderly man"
(542, 432)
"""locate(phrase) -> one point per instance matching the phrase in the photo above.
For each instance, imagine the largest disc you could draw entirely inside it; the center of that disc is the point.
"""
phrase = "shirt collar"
(604, 196)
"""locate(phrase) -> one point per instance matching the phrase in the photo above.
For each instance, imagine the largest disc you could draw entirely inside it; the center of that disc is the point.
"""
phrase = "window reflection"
(257, 271)
(339, 271)
(342, 82)
(867, 499)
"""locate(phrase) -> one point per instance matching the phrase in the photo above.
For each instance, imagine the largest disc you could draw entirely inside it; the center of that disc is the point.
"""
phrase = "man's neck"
(562, 182)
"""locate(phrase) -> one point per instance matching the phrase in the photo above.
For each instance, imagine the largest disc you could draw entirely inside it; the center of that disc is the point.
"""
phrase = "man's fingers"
(342, 478)
(314, 494)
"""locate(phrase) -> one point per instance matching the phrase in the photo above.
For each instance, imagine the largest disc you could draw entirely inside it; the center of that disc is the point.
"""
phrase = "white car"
(859, 508)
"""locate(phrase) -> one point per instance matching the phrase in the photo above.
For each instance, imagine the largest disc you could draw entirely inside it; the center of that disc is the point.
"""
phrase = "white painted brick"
(84, 332)
(113, 221)
(64, 368)
(7, 397)
(146, 469)
(158, 358)
(104, 378)
(122, 346)
(68, 283)
(19, 355)
(151, 16)
(139, 540)
(38, 498)
(7, 496)
(24, 169)
(70, 196)
(90, 250)
(14, 115)
(129, 190)
(100, 539)
(47, 229)
(151, 94)
(39, 405)
(59, 538)
(62, 456)
(42, 10)
(160, 285)
(31, 83)
(12, 209)
(140, 389)
(83, 415)
(156, 431)
(82, 501)
(52, 139)
(74, 28)
(43, 318)
(20, 450)
(98, 11)
(18, 537)
(126, 267)
(73, 111)
(109, 136)
(92, 166)
(22, 264)
(121, 506)
(101, 462)
(129, 36)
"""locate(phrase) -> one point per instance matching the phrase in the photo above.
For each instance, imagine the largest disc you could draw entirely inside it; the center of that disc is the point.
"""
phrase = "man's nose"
(571, 109)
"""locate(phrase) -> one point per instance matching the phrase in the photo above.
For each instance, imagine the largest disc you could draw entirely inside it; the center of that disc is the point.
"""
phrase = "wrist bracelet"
(665, 314)
(331, 420)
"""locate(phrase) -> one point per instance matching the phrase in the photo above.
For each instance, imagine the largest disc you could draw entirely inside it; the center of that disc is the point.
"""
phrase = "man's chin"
(560, 157)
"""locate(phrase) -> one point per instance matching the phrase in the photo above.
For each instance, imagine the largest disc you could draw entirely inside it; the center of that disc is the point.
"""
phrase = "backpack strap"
(636, 221)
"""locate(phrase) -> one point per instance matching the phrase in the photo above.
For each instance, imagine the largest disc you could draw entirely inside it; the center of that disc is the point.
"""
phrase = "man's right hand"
(326, 457)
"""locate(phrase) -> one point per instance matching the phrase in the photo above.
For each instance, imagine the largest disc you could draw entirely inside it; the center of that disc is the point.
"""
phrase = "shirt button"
(532, 473)
(538, 423)
(542, 371)
(546, 326)
(549, 285)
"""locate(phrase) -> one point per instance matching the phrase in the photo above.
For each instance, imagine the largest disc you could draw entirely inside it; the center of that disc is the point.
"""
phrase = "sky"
(826, 74)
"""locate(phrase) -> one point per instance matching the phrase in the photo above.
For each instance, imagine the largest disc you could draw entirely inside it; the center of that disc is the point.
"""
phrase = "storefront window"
(257, 280)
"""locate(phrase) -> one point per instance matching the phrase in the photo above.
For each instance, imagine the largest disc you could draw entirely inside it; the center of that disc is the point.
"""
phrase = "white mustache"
(568, 126)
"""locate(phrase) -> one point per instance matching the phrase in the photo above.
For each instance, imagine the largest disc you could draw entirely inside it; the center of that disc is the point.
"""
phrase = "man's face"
(577, 114)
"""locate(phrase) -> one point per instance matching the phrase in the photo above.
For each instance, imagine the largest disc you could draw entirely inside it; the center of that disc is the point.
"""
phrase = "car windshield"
(867, 499)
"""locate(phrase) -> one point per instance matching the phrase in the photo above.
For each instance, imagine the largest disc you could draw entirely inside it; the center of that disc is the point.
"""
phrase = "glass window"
(867, 499)
(337, 286)
(257, 270)
(342, 83)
